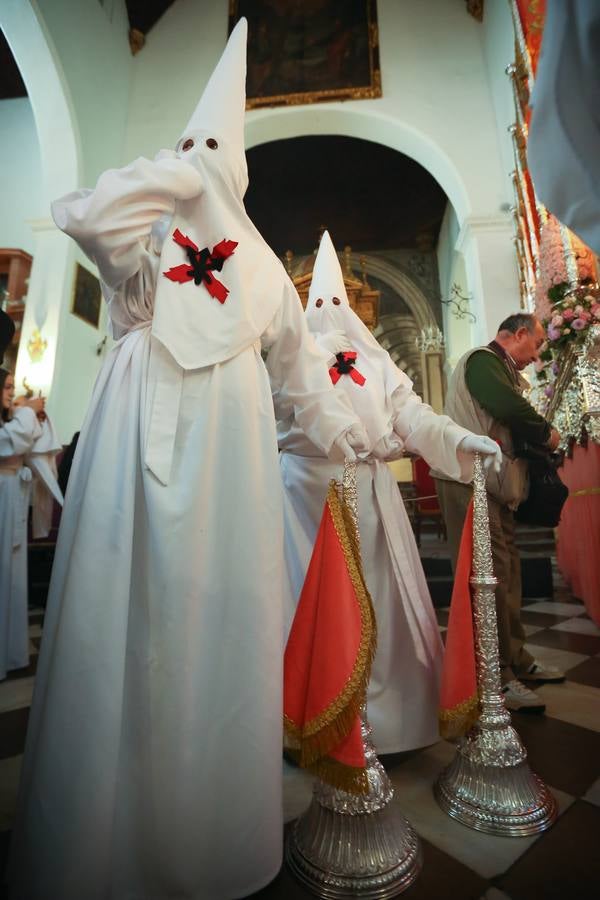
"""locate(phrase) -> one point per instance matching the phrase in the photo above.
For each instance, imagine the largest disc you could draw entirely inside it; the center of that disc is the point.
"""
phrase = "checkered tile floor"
(563, 748)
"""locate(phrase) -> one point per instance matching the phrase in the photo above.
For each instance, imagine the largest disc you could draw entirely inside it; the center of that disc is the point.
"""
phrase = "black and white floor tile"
(563, 748)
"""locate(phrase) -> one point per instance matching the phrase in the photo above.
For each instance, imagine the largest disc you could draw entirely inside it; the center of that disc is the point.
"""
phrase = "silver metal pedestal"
(355, 846)
(489, 785)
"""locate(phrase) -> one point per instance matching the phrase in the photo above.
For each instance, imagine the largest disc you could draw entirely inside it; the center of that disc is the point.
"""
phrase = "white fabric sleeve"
(18, 435)
(434, 437)
(41, 459)
(300, 382)
(112, 223)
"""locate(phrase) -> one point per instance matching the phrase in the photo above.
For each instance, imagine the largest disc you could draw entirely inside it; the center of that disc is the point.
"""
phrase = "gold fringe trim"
(585, 492)
(317, 737)
(457, 721)
(352, 779)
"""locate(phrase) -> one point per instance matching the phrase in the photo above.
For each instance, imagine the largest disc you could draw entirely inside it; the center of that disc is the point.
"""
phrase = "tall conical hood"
(328, 310)
(222, 106)
(327, 279)
(237, 283)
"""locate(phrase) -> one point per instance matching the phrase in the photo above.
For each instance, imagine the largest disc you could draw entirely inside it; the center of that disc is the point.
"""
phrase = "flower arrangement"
(573, 310)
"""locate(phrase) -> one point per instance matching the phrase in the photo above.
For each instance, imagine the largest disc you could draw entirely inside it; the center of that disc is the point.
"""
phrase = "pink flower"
(553, 333)
(579, 309)
(549, 390)
(568, 314)
(585, 315)
(557, 320)
(596, 310)
(578, 324)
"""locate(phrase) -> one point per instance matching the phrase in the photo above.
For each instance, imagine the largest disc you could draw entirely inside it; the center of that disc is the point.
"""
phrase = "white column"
(491, 272)
(48, 283)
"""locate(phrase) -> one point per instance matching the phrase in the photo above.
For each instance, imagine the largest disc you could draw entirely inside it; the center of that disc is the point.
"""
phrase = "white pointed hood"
(189, 318)
(372, 400)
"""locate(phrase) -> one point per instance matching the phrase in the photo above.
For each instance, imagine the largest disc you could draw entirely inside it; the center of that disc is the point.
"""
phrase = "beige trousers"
(454, 500)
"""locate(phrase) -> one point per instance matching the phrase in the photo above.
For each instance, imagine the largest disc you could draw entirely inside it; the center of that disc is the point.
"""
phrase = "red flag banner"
(459, 702)
(328, 657)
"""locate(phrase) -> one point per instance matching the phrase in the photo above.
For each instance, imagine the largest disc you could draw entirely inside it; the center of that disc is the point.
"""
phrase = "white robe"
(22, 436)
(404, 686)
(153, 760)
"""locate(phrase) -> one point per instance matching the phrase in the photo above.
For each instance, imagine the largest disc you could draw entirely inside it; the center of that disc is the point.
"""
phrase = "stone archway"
(265, 125)
(61, 164)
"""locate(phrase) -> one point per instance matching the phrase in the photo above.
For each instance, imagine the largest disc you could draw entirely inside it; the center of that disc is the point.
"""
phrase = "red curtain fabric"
(458, 695)
(578, 547)
(532, 14)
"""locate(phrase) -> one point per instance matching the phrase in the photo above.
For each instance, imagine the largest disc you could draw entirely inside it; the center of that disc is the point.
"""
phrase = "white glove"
(489, 449)
(387, 448)
(349, 443)
(334, 342)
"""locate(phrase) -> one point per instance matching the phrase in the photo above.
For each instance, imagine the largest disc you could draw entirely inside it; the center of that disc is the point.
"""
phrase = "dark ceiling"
(367, 195)
(11, 83)
(143, 14)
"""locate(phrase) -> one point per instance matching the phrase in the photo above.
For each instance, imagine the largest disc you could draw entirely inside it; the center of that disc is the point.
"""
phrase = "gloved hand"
(388, 448)
(334, 342)
(349, 443)
(489, 449)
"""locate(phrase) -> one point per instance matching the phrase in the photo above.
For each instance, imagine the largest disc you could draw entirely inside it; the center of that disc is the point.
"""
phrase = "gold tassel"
(456, 722)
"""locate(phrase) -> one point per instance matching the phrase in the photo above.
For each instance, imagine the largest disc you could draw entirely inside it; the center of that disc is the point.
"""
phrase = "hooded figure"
(403, 691)
(153, 761)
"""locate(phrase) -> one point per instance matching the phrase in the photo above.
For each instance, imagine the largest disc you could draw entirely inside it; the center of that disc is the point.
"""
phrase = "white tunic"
(153, 761)
(403, 691)
(23, 436)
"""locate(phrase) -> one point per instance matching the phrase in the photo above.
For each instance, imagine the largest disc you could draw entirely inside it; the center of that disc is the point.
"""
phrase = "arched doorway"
(384, 213)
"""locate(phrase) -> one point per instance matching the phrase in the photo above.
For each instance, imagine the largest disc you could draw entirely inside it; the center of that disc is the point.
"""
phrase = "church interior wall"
(20, 173)
(90, 41)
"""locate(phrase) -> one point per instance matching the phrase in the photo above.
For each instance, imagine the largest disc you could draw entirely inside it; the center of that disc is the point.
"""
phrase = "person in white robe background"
(28, 444)
(403, 691)
(152, 766)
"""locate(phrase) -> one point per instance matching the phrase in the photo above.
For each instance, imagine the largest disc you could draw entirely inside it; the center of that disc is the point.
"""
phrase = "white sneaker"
(519, 697)
(538, 672)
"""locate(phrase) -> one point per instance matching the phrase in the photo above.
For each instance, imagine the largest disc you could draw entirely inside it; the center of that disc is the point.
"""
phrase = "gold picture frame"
(86, 302)
(309, 51)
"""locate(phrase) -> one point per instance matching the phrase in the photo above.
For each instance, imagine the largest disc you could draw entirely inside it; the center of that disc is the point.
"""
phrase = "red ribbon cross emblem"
(345, 366)
(201, 264)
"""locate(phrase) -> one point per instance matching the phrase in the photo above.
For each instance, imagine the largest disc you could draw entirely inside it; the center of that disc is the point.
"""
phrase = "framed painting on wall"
(308, 51)
(87, 296)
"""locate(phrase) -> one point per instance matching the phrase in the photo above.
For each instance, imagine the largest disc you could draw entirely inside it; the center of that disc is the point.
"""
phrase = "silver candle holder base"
(334, 855)
(488, 785)
(348, 845)
(496, 796)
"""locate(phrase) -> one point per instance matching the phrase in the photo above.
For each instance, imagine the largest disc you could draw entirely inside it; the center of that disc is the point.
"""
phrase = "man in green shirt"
(485, 396)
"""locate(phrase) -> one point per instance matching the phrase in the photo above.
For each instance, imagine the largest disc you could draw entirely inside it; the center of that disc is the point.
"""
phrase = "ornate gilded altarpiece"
(309, 51)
